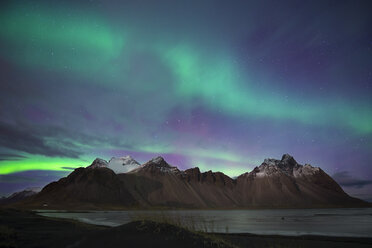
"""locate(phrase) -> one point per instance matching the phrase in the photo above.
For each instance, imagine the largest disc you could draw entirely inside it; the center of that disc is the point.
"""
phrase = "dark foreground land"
(26, 229)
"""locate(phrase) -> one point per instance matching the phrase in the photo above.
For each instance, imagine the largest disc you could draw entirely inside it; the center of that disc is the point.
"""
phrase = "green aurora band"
(91, 47)
(213, 79)
(49, 38)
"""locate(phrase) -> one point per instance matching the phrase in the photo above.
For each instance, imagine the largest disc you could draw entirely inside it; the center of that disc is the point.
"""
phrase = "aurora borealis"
(215, 84)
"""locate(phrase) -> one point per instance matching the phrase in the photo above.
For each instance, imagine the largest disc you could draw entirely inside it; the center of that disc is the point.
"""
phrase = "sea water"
(350, 222)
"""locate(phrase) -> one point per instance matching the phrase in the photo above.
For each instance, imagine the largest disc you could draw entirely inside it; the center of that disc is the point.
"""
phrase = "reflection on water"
(334, 222)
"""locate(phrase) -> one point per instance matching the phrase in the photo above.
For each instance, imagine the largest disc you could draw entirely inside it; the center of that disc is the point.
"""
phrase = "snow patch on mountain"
(118, 165)
(123, 164)
(306, 170)
(287, 165)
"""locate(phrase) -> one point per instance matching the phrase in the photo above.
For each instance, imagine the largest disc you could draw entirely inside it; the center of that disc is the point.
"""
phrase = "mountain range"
(20, 195)
(124, 183)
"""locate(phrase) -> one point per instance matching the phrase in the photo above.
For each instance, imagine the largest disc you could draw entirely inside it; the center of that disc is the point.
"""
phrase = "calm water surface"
(351, 222)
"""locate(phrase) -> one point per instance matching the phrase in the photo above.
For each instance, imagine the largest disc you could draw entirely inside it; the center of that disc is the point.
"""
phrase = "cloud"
(9, 156)
(27, 139)
(68, 168)
(344, 178)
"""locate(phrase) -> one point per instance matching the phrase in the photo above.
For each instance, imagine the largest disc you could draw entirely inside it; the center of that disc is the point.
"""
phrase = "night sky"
(216, 84)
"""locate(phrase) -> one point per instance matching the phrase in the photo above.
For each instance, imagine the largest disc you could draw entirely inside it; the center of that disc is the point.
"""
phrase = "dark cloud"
(27, 140)
(344, 178)
(9, 156)
(51, 141)
(68, 168)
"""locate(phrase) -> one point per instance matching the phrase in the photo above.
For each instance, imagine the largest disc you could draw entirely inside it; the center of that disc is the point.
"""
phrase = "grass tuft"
(200, 226)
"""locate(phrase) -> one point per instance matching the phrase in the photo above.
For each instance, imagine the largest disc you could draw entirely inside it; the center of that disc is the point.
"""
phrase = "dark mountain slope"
(85, 187)
(275, 183)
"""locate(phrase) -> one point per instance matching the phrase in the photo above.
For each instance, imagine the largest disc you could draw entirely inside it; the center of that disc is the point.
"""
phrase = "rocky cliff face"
(85, 187)
(275, 183)
(285, 182)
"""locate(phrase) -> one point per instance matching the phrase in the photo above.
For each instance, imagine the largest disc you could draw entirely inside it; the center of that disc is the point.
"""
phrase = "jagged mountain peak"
(100, 160)
(98, 163)
(287, 165)
(159, 164)
(287, 156)
(158, 160)
(288, 160)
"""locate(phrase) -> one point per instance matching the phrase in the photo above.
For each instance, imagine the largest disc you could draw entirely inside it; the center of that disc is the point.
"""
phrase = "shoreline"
(82, 207)
(211, 220)
(70, 230)
(268, 233)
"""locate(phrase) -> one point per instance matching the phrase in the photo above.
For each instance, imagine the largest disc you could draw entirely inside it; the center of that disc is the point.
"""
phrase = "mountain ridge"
(273, 184)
